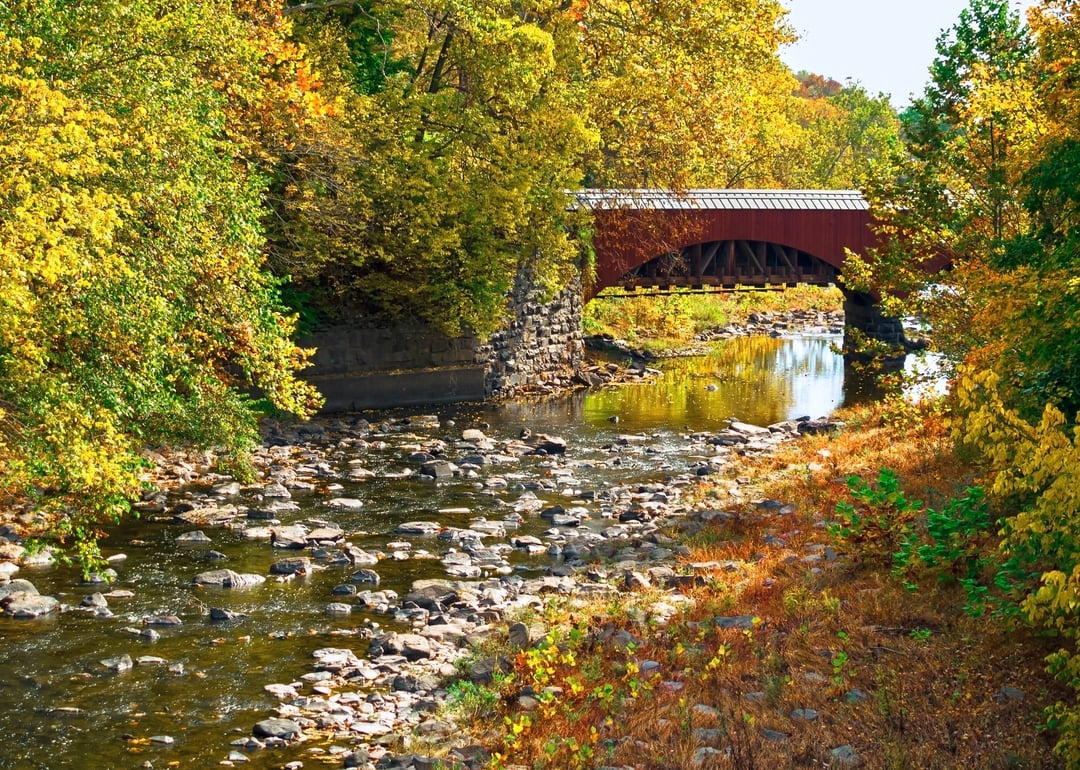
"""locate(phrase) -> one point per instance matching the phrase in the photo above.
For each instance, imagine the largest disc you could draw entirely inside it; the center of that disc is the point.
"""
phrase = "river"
(60, 707)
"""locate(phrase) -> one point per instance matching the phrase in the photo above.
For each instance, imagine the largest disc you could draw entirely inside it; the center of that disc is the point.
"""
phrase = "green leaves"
(134, 304)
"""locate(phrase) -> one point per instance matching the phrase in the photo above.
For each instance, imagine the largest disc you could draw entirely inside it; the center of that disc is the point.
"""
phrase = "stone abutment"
(363, 364)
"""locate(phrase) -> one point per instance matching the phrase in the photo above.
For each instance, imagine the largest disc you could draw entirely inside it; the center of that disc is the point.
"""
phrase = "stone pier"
(862, 313)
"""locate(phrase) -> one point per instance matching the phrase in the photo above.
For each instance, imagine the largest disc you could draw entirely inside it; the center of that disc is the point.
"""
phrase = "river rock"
(211, 516)
(197, 536)
(284, 729)
(226, 578)
(226, 489)
(346, 503)
(325, 535)
(293, 537)
(220, 615)
(545, 444)
(296, 565)
(41, 558)
(366, 577)
(411, 646)
(18, 585)
(417, 528)
(275, 490)
(438, 469)
(118, 664)
(25, 605)
(7, 569)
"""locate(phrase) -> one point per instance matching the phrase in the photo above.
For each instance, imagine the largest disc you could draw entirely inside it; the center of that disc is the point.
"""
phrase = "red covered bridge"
(663, 239)
(724, 238)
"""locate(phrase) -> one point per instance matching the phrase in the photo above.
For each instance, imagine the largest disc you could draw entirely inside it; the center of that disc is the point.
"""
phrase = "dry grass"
(905, 678)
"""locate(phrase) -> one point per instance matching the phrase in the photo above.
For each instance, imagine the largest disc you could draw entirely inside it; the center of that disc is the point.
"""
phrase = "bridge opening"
(730, 264)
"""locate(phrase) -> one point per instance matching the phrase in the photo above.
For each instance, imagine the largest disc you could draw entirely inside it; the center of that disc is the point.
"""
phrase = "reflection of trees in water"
(757, 379)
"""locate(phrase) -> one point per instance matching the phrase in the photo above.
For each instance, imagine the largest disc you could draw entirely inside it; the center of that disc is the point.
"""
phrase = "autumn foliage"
(134, 305)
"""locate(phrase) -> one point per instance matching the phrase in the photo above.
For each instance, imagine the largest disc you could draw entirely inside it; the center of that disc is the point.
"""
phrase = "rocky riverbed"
(535, 517)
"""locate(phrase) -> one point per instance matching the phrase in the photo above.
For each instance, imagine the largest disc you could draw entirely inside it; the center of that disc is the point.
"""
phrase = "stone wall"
(361, 365)
(862, 312)
(541, 348)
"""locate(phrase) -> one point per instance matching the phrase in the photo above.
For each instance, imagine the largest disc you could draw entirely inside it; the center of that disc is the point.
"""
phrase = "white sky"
(884, 45)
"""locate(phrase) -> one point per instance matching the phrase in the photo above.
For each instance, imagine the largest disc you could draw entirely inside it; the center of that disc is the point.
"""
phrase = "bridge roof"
(745, 200)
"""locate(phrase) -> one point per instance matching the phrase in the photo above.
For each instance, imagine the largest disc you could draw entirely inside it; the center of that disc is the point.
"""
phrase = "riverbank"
(798, 649)
(665, 323)
(766, 323)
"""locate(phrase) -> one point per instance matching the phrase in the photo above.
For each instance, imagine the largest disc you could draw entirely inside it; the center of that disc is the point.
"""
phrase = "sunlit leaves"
(133, 306)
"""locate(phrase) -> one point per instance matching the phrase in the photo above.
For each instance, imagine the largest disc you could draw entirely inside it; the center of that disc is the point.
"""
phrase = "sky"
(884, 45)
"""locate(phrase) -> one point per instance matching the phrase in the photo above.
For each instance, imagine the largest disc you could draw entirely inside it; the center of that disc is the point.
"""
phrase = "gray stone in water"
(326, 535)
(227, 489)
(417, 528)
(226, 578)
(358, 557)
(198, 536)
(296, 565)
(121, 663)
(431, 595)
(94, 600)
(366, 577)
(162, 620)
(338, 608)
(275, 490)
(285, 729)
(438, 469)
(346, 503)
(219, 615)
(552, 445)
(26, 605)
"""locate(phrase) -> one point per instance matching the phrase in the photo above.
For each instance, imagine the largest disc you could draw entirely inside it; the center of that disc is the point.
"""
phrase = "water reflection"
(760, 380)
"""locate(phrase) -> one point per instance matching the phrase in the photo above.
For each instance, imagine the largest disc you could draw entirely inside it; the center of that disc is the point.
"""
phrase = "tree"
(134, 308)
(847, 132)
(953, 192)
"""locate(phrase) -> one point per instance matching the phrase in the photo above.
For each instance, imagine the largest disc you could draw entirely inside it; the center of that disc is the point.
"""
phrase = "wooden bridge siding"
(821, 233)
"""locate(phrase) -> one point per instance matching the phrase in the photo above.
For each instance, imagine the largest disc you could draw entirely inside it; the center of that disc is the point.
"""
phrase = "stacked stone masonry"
(360, 365)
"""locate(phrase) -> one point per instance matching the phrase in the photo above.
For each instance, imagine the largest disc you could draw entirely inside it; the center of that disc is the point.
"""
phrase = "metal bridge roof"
(747, 200)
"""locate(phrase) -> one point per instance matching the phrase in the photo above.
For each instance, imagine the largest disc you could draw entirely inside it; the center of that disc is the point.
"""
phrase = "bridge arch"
(730, 263)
